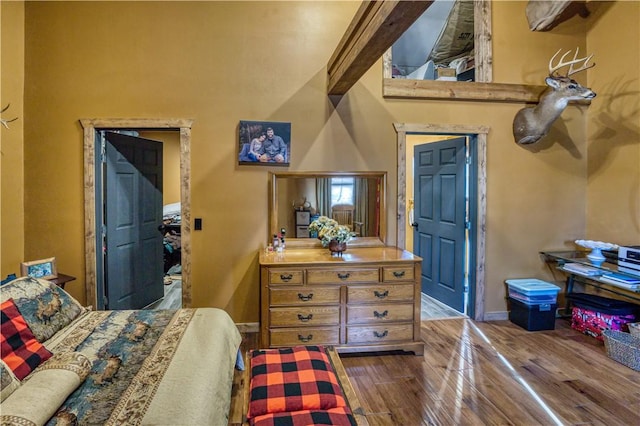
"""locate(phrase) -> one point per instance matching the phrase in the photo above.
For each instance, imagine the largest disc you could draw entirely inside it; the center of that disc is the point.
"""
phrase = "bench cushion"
(340, 416)
(293, 379)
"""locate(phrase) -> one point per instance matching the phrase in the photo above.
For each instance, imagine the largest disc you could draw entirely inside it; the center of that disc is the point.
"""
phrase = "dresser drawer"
(380, 293)
(304, 316)
(328, 276)
(286, 276)
(305, 336)
(380, 334)
(397, 273)
(380, 313)
(304, 296)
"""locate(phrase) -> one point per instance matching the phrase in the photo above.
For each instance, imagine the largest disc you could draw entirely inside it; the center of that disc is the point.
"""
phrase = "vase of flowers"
(331, 234)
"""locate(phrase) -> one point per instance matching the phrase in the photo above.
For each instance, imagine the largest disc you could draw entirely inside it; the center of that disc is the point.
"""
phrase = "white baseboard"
(248, 327)
(496, 316)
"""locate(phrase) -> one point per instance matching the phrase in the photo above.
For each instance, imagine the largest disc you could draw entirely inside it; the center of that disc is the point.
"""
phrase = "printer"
(629, 259)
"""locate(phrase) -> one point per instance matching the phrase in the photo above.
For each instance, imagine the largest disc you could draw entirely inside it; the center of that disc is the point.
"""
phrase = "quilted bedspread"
(150, 367)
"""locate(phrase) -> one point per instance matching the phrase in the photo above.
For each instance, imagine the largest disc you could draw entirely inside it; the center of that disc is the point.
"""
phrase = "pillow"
(292, 379)
(8, 381)
(21, 352)
(45, 307)
(9, 278)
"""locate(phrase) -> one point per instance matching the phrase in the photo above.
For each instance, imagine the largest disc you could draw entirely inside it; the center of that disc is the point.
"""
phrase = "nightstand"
(61, 280)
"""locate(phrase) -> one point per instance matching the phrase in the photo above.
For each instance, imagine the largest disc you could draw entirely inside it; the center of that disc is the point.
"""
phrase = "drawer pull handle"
(305, 319)
(381, 295)
(286, 278)
(305, 298)
(380, 315)
(343, 276)
(398, 274)
(305, 339)
(381, 335)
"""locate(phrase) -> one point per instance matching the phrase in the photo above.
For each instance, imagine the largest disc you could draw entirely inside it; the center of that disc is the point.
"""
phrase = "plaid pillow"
(292, 379)
(21, 352)
(340, 416)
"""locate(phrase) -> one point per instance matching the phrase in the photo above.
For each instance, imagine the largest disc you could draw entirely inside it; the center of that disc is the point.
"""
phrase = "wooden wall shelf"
(460, 90)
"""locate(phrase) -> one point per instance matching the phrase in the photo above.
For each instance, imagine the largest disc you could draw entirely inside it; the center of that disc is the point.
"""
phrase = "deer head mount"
(5, 123)
(532, 123)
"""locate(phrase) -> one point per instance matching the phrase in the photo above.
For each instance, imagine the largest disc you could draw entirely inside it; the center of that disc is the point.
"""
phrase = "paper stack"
(580, 269)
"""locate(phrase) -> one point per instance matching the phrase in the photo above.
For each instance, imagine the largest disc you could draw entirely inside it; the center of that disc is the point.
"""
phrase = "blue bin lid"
(532, 286)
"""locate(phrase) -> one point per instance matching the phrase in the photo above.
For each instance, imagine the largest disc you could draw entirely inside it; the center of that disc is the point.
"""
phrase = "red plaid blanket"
(297, 382)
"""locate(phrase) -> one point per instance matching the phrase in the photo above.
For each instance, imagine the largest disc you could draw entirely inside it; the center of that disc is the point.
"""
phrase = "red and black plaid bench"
(299, 386)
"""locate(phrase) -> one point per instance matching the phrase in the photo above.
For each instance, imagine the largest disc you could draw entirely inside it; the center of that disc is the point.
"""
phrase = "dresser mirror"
(356, 198)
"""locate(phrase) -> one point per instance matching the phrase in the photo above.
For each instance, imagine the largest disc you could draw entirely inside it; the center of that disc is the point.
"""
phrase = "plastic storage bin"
(533, 291)
(533, 317)
(592, 314)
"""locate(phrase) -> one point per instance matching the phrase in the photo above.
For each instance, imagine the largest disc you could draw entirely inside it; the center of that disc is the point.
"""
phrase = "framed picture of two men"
(264, 143)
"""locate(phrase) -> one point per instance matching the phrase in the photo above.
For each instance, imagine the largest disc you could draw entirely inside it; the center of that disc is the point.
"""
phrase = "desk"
(61, 280)
(592, 274)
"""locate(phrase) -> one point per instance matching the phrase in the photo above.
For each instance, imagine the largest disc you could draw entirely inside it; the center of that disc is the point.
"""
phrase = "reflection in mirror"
(355, 199)
(439, 45)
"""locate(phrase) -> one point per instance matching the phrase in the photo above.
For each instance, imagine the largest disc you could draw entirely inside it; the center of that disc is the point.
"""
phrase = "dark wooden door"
(439, 219)
(133, 213)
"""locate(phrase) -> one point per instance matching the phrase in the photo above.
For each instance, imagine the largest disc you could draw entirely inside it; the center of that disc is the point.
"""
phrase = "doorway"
(474, 255)
(92, 239)
(441, 218)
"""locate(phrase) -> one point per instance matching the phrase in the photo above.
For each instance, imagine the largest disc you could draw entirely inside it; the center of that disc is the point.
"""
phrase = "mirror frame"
(378, 241)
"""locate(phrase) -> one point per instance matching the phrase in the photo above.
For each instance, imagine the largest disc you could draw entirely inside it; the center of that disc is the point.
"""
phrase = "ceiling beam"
(374, 28)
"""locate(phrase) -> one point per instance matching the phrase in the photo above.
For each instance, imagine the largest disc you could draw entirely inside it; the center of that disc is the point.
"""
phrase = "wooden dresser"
(366, 300)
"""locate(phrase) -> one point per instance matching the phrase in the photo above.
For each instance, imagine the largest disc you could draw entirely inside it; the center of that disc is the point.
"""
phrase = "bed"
(112, 367)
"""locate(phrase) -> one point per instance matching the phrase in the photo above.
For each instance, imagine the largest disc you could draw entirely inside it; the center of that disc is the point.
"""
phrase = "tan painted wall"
(11, 140)
(220, 63)
(613, 186)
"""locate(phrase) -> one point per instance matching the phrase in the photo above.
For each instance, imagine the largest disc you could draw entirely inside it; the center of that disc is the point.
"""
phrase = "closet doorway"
(92, 166)
(475, 252)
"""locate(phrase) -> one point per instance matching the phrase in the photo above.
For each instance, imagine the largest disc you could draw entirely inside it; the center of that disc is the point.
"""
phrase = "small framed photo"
(44, 268)
(266, 143)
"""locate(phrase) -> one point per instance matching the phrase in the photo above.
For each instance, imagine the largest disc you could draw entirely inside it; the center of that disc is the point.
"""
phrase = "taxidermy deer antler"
(532, 124)
(5, 123)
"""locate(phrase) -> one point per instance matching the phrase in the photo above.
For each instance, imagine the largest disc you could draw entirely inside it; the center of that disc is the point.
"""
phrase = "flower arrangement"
(329, 230)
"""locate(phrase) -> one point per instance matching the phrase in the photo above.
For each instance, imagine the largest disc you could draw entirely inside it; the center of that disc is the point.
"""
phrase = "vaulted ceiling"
(378, 24)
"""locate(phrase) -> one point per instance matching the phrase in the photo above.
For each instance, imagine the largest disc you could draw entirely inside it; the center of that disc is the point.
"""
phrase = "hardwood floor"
(431, 309)
(494, 373)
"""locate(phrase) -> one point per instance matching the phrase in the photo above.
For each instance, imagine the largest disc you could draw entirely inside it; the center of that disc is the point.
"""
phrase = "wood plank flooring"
(495, 372)
(431, 309)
